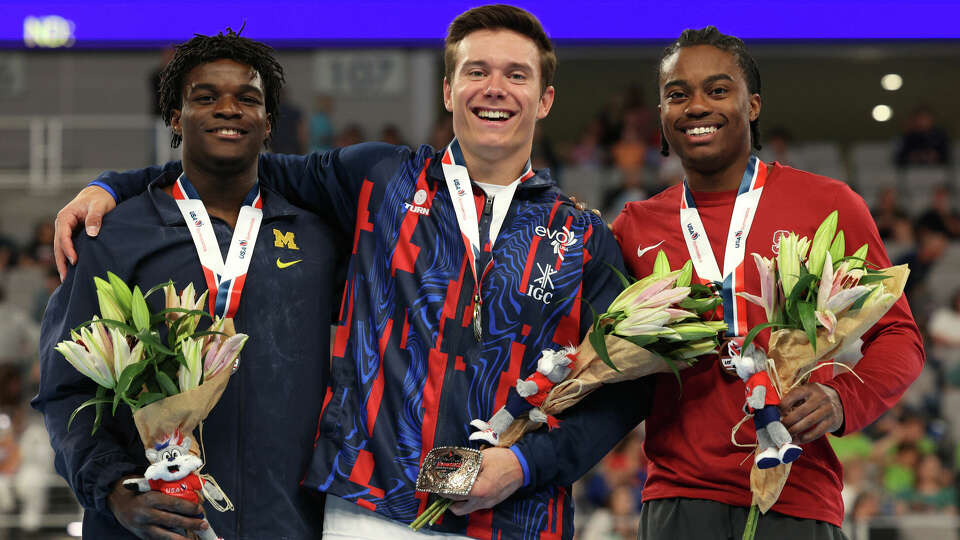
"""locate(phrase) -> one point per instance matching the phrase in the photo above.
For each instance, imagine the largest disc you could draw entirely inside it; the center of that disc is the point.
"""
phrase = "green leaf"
(700, 305)
(870, 277)
(129, 373)
(752, 334)
(671, 363)
(805, 282)
(639, 341)
(120, 291)
(808, 319)
(858, 303)
(156, 288)
(167, 384)
(150, 339)
(120, 325)
(600, 346)
(141, 313)
(147, 398)
(98, 400)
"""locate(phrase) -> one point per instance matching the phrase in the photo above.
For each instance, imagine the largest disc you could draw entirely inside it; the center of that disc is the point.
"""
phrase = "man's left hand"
(500, 475)
(810, 411)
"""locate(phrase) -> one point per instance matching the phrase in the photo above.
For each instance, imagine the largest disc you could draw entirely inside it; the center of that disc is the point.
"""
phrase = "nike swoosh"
(281, 264)
(642, 250)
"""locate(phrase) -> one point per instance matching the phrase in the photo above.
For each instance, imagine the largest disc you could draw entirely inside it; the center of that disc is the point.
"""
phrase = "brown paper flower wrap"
(589, 373)
(794, 358)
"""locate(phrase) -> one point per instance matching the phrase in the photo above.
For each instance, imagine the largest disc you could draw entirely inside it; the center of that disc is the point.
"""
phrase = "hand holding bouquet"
(819, 302)
(654, 326)
(169, 384)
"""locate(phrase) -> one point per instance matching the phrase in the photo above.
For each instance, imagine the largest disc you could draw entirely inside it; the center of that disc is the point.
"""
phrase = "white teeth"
(701, 130)
(227, 131)
(493, 115)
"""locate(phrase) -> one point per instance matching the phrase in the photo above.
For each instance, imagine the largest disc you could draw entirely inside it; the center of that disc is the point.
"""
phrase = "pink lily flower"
(838, 291)
(769, 294)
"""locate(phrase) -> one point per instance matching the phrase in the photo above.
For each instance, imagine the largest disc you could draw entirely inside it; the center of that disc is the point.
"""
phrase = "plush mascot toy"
(776, 444)
(172, 471)
(528, 395)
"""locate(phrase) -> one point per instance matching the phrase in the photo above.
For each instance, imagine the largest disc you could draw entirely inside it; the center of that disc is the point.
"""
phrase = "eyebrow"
(244, 88)
(708, 80)
(510, 66)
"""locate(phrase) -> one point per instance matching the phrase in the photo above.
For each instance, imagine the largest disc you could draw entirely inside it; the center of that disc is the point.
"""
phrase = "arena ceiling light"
(891, 82)
(882, 113)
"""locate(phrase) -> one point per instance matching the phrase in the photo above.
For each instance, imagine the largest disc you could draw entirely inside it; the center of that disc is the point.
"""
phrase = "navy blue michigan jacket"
(258, 438)
(407, 373)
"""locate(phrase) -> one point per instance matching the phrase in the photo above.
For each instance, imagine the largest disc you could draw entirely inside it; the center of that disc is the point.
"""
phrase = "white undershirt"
(492, 191)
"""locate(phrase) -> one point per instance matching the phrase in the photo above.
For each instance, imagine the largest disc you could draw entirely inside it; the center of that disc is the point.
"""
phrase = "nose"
(495, 86)
(698, 106)
(227, 107)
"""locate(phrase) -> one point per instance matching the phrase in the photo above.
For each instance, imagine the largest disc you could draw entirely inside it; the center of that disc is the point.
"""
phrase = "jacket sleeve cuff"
(523, 465)
(105, 186)
(109, 470)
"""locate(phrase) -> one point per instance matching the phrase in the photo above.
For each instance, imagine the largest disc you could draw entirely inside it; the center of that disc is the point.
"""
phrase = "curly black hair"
(202, 49)
(733, 45)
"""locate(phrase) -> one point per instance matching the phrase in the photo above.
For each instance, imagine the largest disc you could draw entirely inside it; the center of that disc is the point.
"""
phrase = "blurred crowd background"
(878, 115)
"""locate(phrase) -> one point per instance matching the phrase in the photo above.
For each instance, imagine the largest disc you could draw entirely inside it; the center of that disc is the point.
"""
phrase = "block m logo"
(284, 239)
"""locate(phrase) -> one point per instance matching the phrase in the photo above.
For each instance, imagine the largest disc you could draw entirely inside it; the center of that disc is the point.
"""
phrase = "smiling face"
(494, 94)
(223, 119)
(706, 108)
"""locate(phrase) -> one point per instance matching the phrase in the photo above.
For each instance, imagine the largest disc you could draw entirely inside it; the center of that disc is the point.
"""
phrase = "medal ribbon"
(698, 245)
(225, 281)
(465, 207)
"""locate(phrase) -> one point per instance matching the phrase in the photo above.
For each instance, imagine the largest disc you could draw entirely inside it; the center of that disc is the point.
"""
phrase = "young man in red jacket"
(698, 484)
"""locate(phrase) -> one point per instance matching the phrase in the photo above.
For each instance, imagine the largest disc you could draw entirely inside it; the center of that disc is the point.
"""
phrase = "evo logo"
(560, 240)
(543, 290)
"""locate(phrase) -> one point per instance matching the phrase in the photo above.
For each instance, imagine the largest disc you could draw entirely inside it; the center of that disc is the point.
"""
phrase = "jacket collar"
(274, 205)
(540, 180)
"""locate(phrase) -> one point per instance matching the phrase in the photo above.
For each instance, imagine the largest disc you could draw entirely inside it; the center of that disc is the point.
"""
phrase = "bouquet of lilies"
(818, 302)
(123, 351)
(656, 325)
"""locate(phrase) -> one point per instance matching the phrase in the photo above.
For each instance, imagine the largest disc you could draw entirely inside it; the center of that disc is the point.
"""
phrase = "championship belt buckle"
(449, 471)
(728, 351)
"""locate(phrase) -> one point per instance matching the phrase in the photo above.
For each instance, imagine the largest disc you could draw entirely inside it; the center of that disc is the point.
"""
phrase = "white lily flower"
(123, 355)
(769, 295)
(838, 291)
(91, 353)
(222, 356)
(188, 376)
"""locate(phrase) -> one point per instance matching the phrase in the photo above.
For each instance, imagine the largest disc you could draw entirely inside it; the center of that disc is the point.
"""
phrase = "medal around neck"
(449, 471)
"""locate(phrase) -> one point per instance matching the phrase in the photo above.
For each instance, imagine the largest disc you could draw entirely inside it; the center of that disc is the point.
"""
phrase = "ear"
(447, 95)
(546, 102)
(269, 128)
(187, 441)
(756, 103)
(152, 455)
(175, 121)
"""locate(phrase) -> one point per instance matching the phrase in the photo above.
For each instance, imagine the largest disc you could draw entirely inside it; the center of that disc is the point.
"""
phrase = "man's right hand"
(151, 515)
(87, 207)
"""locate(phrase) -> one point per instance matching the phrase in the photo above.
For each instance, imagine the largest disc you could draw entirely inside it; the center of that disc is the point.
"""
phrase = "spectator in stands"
(893, 223)
(923, 142)
(929, 250)
(18, 344)
(932, 490)
(777, 147)
(352, 134)
(940, 216)
(391, 135)
(290, 135)
(321, 127)
(40, 249)
(617, 520)
(589, 151)
(944, 326)
(442, 131)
